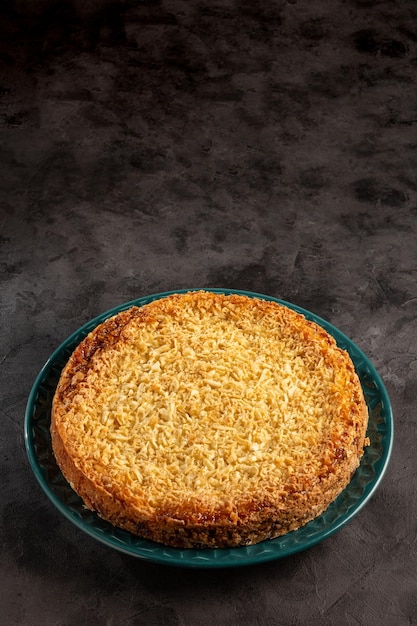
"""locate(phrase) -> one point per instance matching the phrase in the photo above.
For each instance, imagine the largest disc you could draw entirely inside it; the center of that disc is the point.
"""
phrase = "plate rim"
(206, 558)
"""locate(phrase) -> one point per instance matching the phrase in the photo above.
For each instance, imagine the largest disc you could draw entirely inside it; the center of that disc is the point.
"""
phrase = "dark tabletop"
(268, 146)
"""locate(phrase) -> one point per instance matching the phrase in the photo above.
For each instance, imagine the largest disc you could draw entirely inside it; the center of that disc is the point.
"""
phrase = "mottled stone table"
(150, 146)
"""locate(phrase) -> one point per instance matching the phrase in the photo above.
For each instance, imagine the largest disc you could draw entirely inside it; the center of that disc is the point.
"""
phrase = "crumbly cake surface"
(208, 420)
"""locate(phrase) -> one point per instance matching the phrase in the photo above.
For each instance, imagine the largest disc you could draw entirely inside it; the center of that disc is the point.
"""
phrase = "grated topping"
(208, 396)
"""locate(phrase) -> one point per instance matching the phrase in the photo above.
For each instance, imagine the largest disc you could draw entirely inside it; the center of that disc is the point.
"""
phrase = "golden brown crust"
(260, 456)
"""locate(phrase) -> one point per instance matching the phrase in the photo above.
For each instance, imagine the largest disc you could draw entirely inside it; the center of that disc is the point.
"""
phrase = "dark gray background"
(150, 146)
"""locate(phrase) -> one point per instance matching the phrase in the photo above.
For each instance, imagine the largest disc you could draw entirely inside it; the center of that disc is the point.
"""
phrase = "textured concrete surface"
(149, 146)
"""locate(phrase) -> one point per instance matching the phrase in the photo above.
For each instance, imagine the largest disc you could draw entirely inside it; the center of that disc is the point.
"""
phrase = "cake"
(205, 420)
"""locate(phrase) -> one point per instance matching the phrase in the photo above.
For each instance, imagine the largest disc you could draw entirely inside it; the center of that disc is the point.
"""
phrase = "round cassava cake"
(208, 420)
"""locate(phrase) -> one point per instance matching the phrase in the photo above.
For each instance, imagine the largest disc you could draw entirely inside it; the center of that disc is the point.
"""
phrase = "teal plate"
(363, 485)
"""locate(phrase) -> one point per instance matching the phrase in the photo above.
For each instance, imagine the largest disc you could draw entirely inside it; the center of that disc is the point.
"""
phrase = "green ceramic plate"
(363, 485)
